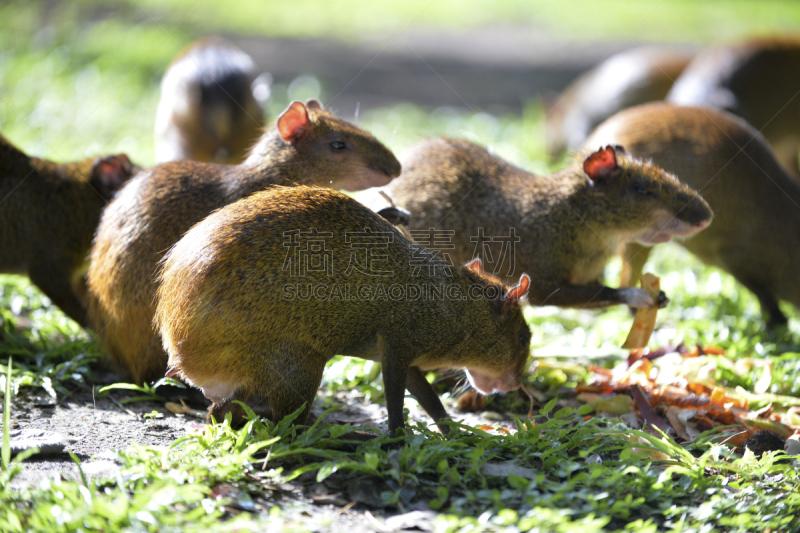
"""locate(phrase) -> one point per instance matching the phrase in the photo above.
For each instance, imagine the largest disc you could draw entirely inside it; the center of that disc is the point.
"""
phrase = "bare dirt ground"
(92, 427)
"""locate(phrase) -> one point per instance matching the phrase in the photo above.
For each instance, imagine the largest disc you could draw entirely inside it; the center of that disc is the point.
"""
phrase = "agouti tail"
(49, 216)
(307, 145)
(262, 293)
(561, 229)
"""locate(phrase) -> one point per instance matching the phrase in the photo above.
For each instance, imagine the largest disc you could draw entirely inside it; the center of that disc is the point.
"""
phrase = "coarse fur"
(241, 311)
(568, 225)
(756, 80)
(48, 216)
(623, 80)
(157, 207)
(207, 111)
(756, 202)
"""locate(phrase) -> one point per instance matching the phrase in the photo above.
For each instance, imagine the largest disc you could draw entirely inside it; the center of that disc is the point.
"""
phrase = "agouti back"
(307, 145)
(756, 230)
(757, 80)
(207, 111)
(257, 297)
(48, 216)
(560, 229)
(623, 80)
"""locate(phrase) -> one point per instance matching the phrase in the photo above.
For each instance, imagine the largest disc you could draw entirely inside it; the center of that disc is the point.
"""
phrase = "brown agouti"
(756, 202)
(307, 145)
(207, 111)
(623, 80)
(560, 229)
(757, 80)
(48, 216)
(257, 297)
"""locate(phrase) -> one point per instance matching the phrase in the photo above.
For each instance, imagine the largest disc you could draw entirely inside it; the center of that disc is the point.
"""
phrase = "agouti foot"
(636, 298)
(217, 412)
(662, 300)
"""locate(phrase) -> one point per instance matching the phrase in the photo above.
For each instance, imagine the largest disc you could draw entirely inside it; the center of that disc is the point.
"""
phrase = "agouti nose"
(694, 210)
(390, 166)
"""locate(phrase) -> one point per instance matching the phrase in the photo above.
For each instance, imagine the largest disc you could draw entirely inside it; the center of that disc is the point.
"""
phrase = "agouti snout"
(257, 297)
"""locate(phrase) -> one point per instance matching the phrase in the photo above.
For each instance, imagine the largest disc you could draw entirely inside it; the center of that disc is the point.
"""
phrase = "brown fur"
(226, 316)
(161, 204)
(756, 202)
(623, 80)
(757, 80)
(48, 215)
(568, 226)
(207, 110)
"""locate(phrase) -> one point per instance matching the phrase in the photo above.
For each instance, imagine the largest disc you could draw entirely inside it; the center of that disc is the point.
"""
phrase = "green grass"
(72, 90)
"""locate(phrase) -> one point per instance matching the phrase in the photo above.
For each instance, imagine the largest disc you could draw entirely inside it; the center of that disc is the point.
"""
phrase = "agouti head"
(323, 144)
(645, 196)
(501, 368)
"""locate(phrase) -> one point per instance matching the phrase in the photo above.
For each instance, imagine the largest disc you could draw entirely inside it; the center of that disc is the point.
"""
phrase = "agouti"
(623, 80)
(307, 145)
(757, 80)
(48, 216)
(257, 297)
(560, 229)
(756, 202)
(207, 111)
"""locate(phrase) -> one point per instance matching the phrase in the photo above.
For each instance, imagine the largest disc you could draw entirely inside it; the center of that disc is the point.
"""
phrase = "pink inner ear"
(601, 164)
(476, 265)
(519, 290)
(112, 171)
(292, 121)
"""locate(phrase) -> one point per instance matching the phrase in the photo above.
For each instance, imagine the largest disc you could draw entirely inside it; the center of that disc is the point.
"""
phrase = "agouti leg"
(594, 295)
(425, 394)
(56, 285)
(292, 380)
(633, 259)
(770, 309)
(395, 372)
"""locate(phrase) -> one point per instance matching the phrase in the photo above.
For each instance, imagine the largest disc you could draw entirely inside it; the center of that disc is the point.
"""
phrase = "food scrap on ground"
(674, 389)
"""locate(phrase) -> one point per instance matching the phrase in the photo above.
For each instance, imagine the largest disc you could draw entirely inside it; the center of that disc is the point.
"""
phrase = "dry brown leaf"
(645, 320)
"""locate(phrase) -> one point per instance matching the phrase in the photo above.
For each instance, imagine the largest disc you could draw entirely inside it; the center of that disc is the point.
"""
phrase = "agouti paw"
(662, 300)
(636, 298)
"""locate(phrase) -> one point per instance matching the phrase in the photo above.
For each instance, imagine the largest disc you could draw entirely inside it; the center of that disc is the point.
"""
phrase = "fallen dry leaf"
(645, 320)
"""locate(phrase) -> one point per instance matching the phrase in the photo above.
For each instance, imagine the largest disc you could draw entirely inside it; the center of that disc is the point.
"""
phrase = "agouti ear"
(601, 165)
(476, 265)
(519, 290)
(314, 104)
(109, 173)
(293, 121)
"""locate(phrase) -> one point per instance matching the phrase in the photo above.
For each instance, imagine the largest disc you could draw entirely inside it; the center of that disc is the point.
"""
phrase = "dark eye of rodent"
(338, 145)
(641, 189)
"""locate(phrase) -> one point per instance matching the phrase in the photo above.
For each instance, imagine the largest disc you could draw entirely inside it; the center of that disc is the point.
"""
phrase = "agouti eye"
(338, 145)
(641, 189)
